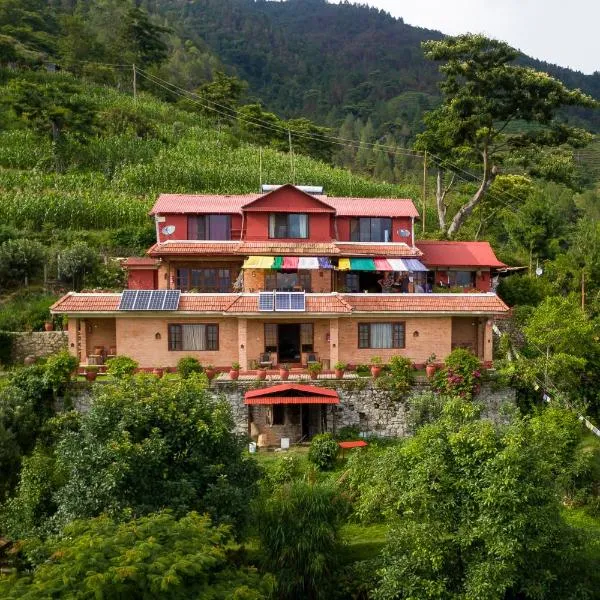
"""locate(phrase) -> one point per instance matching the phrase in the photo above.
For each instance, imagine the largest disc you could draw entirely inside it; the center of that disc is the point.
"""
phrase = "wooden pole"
(583, 290)
(292, 167)
(424, 189)
(134, 83)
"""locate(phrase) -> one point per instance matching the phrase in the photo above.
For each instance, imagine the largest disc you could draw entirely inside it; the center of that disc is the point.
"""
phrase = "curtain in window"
(219, 227)
(306, 334)
(194, 337)
(381, 335)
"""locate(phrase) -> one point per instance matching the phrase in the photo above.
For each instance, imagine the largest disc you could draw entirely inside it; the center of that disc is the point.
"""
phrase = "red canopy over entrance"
(292, 393)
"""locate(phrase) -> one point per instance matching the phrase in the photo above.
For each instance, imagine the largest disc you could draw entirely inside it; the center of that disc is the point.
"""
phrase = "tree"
(144, 38)
(484, 93)
(298, 526)
(476, 511)
(157, 556)
(75, 262)
(223, 94)
(20, 260)
(147, 444)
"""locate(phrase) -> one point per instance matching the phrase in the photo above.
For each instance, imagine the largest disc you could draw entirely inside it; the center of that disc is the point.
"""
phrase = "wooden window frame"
(175, 337)
(287, 226)
(398, 335)
(203, 288)
(194, 228)
(356, 221)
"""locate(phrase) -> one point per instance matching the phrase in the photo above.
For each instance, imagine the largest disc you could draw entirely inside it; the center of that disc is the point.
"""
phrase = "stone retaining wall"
(37, 343)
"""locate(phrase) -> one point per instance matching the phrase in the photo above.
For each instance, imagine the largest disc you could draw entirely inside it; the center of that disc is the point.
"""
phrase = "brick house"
(289, 276)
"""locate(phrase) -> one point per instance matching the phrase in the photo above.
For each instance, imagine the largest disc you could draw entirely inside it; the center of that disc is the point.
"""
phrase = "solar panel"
(157, 300)
(127, 300)
(282, 301)
(266, 301)
(142, 300)
(171, 299)
(297, 301)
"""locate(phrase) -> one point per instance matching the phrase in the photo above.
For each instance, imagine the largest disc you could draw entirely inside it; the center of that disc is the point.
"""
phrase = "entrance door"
(288, 343)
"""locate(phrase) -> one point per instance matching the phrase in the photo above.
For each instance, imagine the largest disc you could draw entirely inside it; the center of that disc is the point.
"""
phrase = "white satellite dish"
(403, 233)
(168, 229)
(539, 271)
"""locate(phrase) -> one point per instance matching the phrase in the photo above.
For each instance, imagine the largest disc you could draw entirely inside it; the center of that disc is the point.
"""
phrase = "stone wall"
(37, 343)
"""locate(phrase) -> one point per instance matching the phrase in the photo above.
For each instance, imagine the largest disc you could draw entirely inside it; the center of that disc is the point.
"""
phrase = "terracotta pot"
(210, 373)
(430, 370)
(284, 374)
(91, 375)
(29, 360)
(98, 349)
(314, 374)
(158, 372)
(48, 326)
(261, 374)
(375, 371)
(339, 373)
(234, 374)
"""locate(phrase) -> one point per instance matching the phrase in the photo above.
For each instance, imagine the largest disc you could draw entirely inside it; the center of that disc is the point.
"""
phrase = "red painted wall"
(180, 223)
(142, 279)
(343, 227)
(257, 226)
(288, 200)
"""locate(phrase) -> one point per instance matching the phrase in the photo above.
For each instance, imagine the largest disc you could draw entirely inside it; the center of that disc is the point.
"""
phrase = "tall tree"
(144, 38)
(485, 92)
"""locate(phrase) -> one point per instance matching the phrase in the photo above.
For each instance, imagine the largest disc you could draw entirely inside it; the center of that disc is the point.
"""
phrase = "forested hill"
(324, 61)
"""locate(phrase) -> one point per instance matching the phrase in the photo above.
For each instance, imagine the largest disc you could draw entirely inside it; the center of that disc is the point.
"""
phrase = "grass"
(362, 542)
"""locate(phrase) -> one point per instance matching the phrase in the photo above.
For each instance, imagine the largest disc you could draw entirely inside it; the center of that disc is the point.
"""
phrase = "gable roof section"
(458, 254)
(292, 393)
(316, 203)
(203, 203)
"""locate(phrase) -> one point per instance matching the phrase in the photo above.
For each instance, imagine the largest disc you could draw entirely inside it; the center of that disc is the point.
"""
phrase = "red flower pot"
(91, 375)
(158, 372)
(210, 373)
(48, 326)
(375, 372)
(261, 374)
(339, 373)
(234, 374)
(284, 374)
(430, 370)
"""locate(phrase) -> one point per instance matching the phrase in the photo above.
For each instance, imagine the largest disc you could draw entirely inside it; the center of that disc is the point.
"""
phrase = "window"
(306, 337)
(287, 282)
(381, 335)
(288, 225)
(371, 229)
(278, 414)
(209, 227)
(270, 337)
(193, 337)
(462, 278)
(351, 282)
(204, 280)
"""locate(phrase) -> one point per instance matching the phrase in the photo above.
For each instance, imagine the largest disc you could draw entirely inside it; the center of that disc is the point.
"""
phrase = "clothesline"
(293, 263)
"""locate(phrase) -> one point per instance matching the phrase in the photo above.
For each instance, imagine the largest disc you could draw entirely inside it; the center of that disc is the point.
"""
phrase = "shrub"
(323, 451)
(6, 339)
(423, 409)
(298, 527)
(121, 366)
(188, 365)
(315, 367)
(349, 433)
(460, 376)
(340, 366)
(400, 377)
(58, 370)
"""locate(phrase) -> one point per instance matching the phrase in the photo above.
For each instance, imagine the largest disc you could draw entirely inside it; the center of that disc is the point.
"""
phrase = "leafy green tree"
(157, 556)
(147, 444)
(144, 38)
(298, 526)
(475, 509)
(223, 93)
(483, 92)
(75, 262)
(20, 260)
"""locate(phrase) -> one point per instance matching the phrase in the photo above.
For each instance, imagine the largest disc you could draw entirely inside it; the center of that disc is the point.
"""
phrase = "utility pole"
(424, 189)
(134, 83)
(292, 166)
(583, 290)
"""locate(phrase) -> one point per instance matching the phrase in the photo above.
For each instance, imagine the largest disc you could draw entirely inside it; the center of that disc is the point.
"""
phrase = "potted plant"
(339, 369)
(284, 371)
(376, 364)
(234, 372)
(261, 373)
(430, 366)
(210, 372)
(91, 372)
(48, 326)
(158, 372)
(314, 368)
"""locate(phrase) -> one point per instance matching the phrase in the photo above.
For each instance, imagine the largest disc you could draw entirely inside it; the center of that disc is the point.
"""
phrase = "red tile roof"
(372, 207)
(397, 250)
(434, 303)
(187, 248)
(291, 387)
(134, 261)
(276, 248)
(458, 254)
(192, 203)
(292, 400)
(306, 394)
(315, 303)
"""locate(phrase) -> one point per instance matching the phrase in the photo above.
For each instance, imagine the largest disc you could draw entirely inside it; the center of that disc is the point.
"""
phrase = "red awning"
(356, 444)
(292, 393)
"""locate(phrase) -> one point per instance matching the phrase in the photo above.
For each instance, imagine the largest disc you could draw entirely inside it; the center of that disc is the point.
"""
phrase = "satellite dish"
(168, 229)
(403, 233)
(539, 271)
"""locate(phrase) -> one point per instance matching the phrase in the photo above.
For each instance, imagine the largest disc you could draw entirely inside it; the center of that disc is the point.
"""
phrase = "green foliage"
(400, 377)
(315, 367)
(58, 370)
(460, 376)
(154, 556)
(149, 443)
(298, 526)
(522, 289)
(26, 309)
(75, 262)
(121, 366)
(20, 260)
(6, 341)
(323, 451)
(348, 433)
(476, 510)
(144, 38)
(285, 470)
(187, 366)
(423, 409)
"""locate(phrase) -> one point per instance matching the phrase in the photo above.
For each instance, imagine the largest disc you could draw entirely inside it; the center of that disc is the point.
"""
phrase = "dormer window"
(371, 229)
(288, 225)
(209, 227)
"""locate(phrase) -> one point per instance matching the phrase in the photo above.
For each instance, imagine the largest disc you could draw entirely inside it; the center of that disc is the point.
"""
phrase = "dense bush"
(158, 556)
(523, 290)
(399, 376)
(323, 451)
(298, 526)
(59, 369)
(20, 260)
(75, 262)
(26, 309)
(188, 365)
(461, 375)
(424, 408)
(121, 366)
